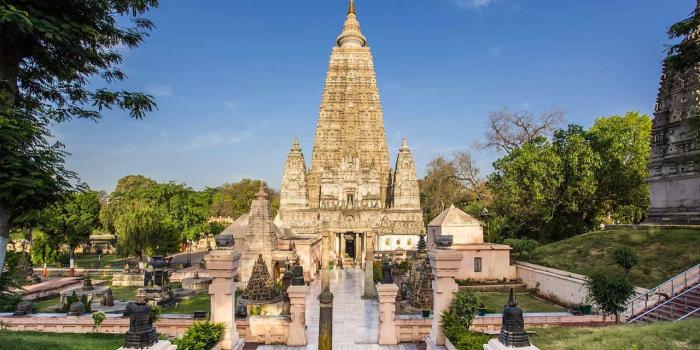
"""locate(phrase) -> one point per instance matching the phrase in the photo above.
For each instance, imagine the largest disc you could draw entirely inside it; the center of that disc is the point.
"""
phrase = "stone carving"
(141, 333)
(24, 308)
(350, 171)
(260, 289)
(674, 176)
(87, 284)
(513, 328)
(76, 309)
(107, 299)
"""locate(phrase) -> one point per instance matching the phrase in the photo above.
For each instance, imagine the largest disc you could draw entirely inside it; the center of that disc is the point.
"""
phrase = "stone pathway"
(355, 320)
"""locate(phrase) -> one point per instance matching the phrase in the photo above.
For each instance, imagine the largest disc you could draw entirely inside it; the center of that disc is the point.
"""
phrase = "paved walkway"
(355, 320)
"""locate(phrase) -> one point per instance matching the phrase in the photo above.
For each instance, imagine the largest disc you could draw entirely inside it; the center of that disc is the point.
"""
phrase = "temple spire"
(352, 35)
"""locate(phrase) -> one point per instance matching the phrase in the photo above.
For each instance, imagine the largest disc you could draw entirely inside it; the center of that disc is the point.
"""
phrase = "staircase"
(675, 299)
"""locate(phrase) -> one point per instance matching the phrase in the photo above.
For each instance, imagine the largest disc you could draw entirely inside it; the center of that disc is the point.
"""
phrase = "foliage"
(156, 312)
(378, 271)
(73, 298)
(234, 199)
(610, 293)
(471, 341)
(44, 248)
(680, 335)
(521, 246)
(625, 258)
(550, 190)
(586, 253)
(9, 282)
(685, 53)
(457, 318)
(200, 336)
(622, 144)
(148, 217)
(440, 188)
(71, 220)
(53, 58)
(510, 130)
(97, 319)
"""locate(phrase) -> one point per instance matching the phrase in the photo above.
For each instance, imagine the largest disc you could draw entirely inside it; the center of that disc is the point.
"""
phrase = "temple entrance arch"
(350, 246)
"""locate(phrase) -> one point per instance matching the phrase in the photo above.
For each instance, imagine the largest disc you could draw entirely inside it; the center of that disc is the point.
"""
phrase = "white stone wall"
(397, 242)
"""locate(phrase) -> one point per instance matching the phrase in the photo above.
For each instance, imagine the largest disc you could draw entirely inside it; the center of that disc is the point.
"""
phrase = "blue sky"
(236, 80)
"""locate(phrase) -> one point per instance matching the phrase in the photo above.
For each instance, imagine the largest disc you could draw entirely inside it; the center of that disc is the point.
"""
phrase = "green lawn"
(657, 336)
(663, 253)
(199, 302)
(63, 341)
(90, 260)
(494, 302)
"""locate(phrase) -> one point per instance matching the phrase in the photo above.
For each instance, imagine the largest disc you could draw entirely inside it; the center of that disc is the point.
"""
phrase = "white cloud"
(230, 104)
(473, 4)
(216, 138)
(160, 90)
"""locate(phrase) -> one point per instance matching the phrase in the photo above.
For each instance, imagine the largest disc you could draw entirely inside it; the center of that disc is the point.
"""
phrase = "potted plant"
(426, 313)
(482, 309)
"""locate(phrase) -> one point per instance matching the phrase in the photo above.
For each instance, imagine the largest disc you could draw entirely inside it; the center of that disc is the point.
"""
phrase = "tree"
(72, 220)
(622, 144)
(526, 186)
(625, 257)
(610, 293)
(148, 217)
(510, 130)
(234, 199)
(52, 56)
(440, 188)
(44, 248)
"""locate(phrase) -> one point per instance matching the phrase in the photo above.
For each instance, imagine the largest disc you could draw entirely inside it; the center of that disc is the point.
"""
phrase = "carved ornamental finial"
(351, 7)
(295, 145)
(261, 191)
(404, 144)
(352, 35)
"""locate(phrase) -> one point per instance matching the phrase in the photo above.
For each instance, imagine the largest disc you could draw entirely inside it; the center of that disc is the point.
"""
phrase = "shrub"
(521, 246)
(156, 311)
(200, 336)
(471, 341)
(97, 319)
(10, 281)
(625, 258)
(610, 293)
(457, 318)
(377, 268)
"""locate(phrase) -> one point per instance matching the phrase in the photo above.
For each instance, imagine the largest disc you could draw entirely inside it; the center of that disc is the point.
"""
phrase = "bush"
(521, 246)
(610, 293)
(73, 299)
(625, 257)
(200, 336)
(471, 341)
(457, 318)
(10, 281)
(97, 319)
(378, 273)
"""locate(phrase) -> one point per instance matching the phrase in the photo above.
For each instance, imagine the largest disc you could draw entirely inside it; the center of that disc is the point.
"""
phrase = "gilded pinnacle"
(351, 7)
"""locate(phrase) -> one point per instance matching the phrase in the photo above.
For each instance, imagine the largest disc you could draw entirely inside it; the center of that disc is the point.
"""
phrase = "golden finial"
(351, 8)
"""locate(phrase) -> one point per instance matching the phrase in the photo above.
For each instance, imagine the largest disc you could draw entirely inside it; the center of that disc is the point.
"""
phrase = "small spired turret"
(260, 289)
(513, 335)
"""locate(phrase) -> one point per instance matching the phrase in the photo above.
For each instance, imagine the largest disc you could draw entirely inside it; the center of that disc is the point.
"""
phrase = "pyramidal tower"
(350, 191)
(674, 176)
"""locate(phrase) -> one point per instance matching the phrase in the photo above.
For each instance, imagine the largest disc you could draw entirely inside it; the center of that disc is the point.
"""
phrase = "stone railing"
(412, 328)
(264, 329)
(170, 325)
(492, 323)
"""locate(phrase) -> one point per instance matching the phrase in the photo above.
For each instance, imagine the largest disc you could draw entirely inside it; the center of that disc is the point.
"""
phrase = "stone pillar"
(297, 328)
(370, 293)
(358, 250)
(445, 264)
(222, 266)
(342, 246)
(325, 324)
(387, 311)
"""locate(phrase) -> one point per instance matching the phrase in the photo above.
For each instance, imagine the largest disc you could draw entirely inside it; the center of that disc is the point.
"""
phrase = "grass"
(199, 302)
(661, 335)
(39, 340)
(663, 253)
(90, 260)
(494, 302)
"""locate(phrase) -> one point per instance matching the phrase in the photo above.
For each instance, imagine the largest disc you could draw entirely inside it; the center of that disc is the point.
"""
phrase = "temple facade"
(350, 192)
(674, 175)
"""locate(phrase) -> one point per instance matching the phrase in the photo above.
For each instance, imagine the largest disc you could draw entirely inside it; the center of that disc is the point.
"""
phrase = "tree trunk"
(4, 235)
